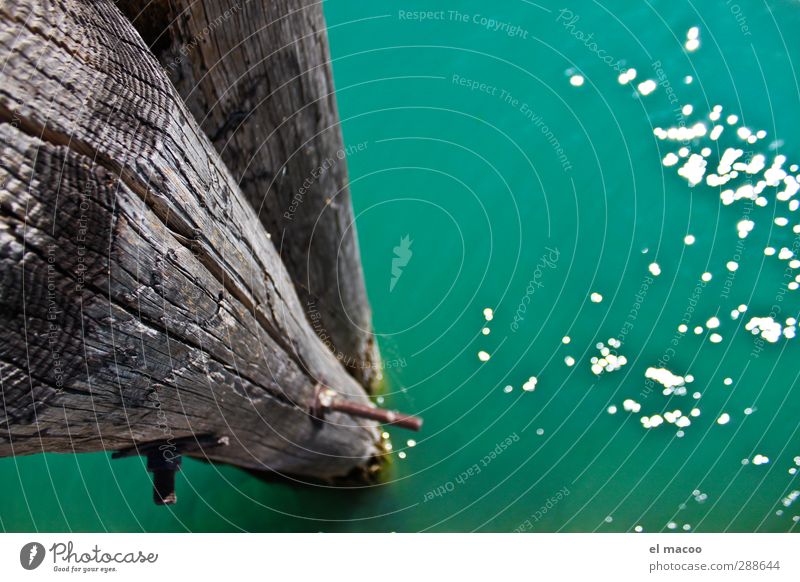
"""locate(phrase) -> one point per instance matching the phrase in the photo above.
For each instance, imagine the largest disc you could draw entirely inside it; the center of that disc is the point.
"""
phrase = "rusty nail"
(326, 399)
(164, 460)
(163, 469)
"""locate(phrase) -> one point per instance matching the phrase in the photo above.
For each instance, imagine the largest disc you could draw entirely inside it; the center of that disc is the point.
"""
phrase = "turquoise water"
(519, 188)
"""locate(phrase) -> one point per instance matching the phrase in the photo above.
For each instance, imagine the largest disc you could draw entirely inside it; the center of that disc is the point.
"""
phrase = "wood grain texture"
(257, 77)
(140, 297)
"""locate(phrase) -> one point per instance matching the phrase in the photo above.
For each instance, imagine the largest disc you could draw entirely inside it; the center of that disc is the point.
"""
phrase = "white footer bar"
(399, 557)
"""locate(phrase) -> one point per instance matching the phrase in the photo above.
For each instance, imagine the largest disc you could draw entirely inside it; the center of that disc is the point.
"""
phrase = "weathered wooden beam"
(257, 77)
(140, 297)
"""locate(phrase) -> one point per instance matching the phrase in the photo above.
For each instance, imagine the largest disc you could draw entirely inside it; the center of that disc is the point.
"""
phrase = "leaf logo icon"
(31, 555)
(402, 255)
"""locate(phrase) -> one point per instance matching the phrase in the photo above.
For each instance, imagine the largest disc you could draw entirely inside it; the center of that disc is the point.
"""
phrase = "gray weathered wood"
(257, 77)
(140, 297)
